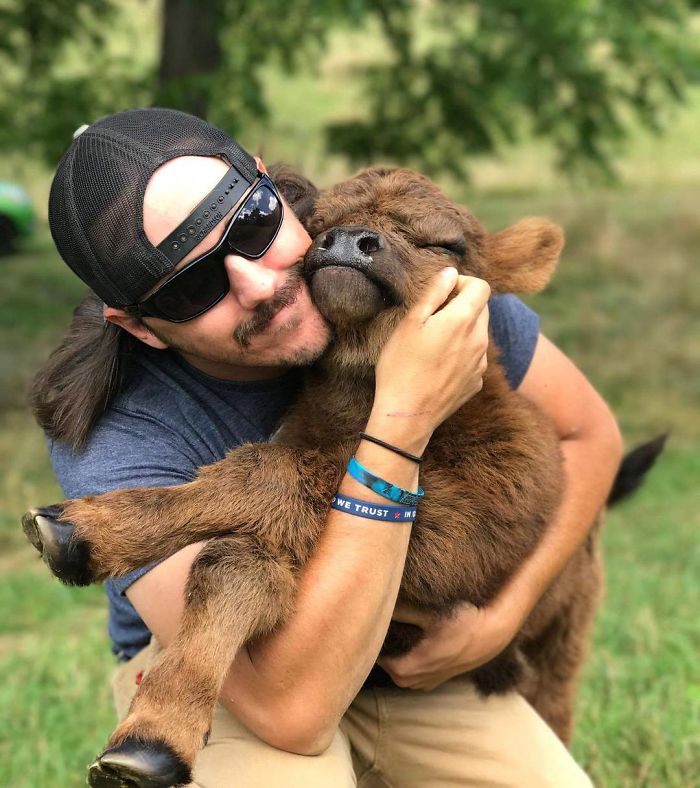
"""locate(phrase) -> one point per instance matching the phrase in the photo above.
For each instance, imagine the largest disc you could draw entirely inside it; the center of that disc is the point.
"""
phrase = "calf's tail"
(634, 467)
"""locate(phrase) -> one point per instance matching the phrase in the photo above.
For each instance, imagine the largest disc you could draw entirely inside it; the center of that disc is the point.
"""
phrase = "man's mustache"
(286, 295)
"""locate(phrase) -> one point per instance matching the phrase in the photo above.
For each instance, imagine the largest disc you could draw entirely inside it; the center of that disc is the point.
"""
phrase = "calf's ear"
(522, 258)
(297, 190)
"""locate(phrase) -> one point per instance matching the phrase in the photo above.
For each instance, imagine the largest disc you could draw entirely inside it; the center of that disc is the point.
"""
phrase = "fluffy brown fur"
(492, 474)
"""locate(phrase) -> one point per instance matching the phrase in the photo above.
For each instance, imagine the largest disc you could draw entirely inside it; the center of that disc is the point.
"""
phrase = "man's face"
(267, 318)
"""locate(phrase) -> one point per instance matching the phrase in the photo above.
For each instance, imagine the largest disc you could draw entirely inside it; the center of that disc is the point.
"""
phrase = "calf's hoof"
(139, 764)
(68, 558)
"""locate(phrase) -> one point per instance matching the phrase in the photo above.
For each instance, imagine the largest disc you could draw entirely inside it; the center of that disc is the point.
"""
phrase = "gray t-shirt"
(170, 419)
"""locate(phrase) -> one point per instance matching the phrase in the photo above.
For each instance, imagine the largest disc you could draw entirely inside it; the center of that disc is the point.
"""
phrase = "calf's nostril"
(328, 240)
(369, 244)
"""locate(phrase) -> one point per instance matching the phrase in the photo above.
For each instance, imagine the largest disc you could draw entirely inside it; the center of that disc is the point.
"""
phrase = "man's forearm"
(312, 667)
(302, 678)
(292, 688)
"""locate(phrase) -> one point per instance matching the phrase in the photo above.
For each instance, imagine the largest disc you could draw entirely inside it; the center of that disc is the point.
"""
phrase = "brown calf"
(492, 473)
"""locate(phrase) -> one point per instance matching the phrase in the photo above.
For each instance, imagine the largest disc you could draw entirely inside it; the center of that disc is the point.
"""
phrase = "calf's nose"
(349, 244)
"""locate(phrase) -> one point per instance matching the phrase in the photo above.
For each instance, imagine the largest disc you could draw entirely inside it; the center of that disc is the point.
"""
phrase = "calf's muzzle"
(352, 274)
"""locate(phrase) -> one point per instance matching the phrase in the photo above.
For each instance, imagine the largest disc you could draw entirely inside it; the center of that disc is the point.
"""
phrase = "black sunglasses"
(203, 282)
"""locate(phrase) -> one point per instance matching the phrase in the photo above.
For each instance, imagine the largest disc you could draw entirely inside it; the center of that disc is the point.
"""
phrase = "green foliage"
(454, 77)
(57, 70)
(465, 77)
(287, 33)
(55, 73)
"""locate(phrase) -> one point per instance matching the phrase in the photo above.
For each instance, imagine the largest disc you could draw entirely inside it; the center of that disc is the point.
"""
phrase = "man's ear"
(522, 258)
(298, 191)
(135, 327)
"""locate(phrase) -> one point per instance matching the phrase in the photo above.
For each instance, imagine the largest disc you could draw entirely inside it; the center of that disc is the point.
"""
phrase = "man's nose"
(252, 282)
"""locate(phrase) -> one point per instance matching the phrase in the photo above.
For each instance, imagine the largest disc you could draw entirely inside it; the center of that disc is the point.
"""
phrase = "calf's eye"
(455, 248)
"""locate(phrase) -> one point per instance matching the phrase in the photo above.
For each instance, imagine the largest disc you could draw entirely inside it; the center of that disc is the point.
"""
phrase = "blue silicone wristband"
(382, 487)
(374, 511)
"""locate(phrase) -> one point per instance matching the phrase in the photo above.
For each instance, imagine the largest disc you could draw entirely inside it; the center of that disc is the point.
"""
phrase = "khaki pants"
(390, 738)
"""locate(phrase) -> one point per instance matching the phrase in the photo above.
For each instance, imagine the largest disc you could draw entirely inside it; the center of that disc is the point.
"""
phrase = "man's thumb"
(437, 293)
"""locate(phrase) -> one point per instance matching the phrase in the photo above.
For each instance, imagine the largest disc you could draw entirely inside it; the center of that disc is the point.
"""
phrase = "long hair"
(72, 389)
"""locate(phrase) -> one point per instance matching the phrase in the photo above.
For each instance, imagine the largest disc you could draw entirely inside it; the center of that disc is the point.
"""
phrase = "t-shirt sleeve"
(515, 329)
(125, 450)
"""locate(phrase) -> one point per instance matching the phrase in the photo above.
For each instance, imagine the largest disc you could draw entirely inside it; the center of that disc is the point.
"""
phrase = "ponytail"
(81, 376)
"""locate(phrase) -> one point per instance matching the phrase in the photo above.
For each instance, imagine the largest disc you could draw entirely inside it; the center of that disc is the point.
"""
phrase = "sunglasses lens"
(204, 283)
(257, 223)
(194, 291)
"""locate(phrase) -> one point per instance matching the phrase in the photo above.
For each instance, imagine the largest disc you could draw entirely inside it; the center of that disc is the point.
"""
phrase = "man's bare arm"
(592, 447)
(591, 443)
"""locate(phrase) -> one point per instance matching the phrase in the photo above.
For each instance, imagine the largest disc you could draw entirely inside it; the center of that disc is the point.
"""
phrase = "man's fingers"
(472, 296)
(482, 320)
(408, 614)
(400, 668)
(438, 292)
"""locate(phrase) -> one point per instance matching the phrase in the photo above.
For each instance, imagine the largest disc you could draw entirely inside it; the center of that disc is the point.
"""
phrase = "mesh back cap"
(96, 199)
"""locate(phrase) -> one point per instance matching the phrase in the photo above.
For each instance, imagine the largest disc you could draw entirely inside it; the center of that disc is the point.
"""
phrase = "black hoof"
(138, 764)
(67, 558)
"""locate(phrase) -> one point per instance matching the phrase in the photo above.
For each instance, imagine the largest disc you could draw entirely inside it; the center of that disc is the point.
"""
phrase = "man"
(197, 354)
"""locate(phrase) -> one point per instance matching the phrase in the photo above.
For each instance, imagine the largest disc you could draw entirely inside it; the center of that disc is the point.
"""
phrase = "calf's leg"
(551, 689)
(252, 490)
(238, 588)
(558, 653)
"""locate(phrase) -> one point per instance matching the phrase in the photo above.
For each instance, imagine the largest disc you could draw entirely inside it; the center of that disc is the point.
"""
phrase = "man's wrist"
(516, 600)
(405, 431)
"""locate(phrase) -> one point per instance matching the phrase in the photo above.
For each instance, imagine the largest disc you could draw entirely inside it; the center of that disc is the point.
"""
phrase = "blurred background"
(587, 111)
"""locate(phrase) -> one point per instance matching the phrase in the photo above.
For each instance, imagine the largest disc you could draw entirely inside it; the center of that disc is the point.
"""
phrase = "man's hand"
(435, 359)
(451, 646)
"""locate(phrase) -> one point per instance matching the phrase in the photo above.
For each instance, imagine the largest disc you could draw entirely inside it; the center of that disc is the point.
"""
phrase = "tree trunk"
(190, 52)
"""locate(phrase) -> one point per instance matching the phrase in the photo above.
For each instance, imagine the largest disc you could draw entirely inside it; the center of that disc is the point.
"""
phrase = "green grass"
(55, 693)
(625, 299)
(639, 720)
(54, 654)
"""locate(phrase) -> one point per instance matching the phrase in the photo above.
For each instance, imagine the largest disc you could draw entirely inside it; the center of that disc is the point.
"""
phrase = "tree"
(56, 72)
(460, 76)
(572, 71)
(190, 55)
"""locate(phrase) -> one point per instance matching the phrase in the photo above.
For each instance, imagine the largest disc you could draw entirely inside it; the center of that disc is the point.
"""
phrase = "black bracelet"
(365, 437)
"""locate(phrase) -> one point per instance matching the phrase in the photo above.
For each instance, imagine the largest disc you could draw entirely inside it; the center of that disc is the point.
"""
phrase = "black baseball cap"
(96, 199)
